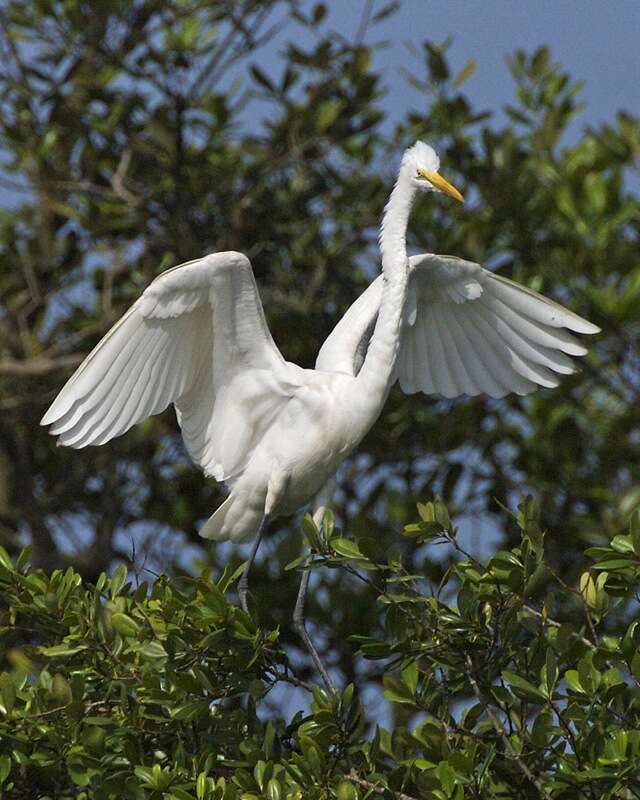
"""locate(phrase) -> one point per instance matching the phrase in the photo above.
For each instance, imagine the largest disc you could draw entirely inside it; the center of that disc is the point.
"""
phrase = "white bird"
(276, 433)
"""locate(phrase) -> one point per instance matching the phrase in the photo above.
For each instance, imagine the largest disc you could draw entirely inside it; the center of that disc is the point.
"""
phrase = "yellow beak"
(440, 183)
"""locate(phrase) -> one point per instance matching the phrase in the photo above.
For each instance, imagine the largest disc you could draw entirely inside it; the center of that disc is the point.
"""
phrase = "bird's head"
(422, 164)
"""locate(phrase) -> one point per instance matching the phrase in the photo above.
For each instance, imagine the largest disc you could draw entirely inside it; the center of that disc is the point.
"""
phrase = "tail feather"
(238, 518)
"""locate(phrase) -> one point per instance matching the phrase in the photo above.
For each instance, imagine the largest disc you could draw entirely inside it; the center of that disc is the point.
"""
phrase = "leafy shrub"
(511, 683)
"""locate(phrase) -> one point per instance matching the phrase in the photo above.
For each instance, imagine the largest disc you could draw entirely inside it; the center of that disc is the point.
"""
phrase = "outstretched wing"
(197, 337)
(470, 331)
(467, 331)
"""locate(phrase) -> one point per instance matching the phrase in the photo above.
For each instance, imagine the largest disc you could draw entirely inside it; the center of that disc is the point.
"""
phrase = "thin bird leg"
(299, 625)
(322, 499)
(243, 583)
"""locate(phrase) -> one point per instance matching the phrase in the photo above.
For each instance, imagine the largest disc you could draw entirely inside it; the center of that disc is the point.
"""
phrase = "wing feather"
(536, 332)
(480, 360)
(541, 309)
(112, 382)
(462, 383)
(426, 351)
(442, 377)
(555, 360)
(107, 411)
(510, 365)
(197, 330)
(108, 360)
(474, 332)
(407, 377)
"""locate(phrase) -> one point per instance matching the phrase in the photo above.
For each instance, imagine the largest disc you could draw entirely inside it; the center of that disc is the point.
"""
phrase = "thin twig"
(365, 21)
(555, 624)
(118, 178)
(292, 679)
(375, 788)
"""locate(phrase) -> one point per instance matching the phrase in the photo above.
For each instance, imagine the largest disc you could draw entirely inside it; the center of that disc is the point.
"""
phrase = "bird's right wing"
(198, 338)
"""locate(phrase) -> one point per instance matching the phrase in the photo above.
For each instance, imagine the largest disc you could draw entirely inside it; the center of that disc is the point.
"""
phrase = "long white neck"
(378, 370)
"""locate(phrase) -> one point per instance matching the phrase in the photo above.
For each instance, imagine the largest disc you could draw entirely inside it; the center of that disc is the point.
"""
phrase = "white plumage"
(276, 433)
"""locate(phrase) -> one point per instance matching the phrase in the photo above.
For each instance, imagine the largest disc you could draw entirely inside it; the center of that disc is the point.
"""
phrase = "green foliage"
(134, 691)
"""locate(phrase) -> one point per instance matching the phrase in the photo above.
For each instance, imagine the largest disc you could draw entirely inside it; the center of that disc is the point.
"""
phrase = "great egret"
(275, 433)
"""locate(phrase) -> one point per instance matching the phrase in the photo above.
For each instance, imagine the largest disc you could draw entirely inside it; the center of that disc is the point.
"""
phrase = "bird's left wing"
(470, 331)
(198, 338)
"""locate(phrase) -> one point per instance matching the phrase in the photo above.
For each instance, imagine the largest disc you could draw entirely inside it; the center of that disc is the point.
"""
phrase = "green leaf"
(551, 670)
(7, 692)
(311, 533)
(274, 791)
(427, 512)
(62, 650)
(5, 768)
(523, 688)
(118, 580)
(152, 650)
(145, 774)
(442, 514)
(614, 564)
(177, 793)
(346, 547)
(201, 786)
(189, 711)
(588, 590)
(398, 692)
(410, 677)
(465, 73)
(124, 624)
(327, 113)
(573, 681)
(5, 561)
(634, 529)
(61, 689)
(346, 791)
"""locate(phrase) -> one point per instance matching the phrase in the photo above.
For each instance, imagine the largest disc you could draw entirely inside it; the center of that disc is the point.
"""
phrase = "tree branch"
(375, 788)
(35, 367)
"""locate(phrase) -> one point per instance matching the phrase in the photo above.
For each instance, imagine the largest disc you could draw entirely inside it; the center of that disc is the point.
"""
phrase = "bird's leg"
(243, 583)
(298, 614)
(299, 625)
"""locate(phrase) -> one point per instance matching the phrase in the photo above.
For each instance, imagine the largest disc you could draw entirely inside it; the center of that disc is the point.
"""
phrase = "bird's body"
(301, 449)
(276, 433)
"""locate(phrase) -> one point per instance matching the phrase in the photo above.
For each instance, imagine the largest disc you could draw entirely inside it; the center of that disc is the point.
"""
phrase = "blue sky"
(596, 41)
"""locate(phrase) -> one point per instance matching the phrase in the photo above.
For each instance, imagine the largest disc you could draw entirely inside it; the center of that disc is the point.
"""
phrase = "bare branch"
(36, 367)
(372, 787)
(118, 178)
